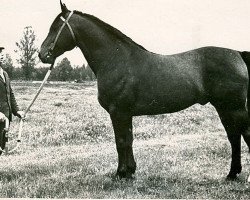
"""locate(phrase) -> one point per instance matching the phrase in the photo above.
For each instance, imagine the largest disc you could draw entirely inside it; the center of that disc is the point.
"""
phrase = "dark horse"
(133, 81)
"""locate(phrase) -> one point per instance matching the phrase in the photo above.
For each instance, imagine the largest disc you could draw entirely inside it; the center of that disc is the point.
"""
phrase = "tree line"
(28, 60)
(63, 71)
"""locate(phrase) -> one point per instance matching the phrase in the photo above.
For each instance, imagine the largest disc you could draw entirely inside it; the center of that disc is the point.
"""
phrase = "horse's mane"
(109, 28)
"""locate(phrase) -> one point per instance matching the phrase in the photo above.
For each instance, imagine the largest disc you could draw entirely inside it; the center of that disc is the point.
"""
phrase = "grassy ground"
(68, 151)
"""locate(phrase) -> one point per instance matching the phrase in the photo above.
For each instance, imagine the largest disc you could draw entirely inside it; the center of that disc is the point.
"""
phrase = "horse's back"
(149, 83)
(169, 83)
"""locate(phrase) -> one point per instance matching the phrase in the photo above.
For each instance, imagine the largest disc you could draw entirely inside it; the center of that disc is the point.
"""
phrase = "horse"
(133, 81)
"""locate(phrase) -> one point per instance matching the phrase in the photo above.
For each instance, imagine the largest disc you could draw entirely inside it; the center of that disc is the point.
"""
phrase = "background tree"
(78, 74)
(90, 73)
(26, 50)
(18, 74)
(39, 73)
(63, 71)
(8, 66)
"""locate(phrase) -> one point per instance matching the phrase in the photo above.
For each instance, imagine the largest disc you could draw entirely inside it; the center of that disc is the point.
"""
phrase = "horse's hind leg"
(122, 125)
(235, 123)
(246, 134)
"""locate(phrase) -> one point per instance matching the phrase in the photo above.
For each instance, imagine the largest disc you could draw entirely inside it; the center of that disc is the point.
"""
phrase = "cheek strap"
(66, 22)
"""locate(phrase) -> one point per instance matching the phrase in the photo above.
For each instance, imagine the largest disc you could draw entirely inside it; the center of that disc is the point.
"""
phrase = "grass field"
(68, 151)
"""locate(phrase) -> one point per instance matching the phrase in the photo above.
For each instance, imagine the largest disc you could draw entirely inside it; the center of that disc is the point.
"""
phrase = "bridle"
(66, 22)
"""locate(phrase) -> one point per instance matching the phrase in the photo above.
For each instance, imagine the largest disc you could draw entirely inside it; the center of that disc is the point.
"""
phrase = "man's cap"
(1, 48)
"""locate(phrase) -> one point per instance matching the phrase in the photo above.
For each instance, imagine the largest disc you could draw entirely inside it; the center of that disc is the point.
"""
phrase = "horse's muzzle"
(46, 58)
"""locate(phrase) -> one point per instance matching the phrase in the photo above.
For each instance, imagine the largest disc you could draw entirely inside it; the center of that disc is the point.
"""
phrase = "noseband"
(66, 22)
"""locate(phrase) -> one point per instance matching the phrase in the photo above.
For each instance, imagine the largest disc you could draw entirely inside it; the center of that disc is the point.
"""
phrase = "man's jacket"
(8, 104)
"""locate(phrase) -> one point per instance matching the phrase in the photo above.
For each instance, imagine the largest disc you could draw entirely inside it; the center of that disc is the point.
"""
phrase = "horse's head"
(60, 38)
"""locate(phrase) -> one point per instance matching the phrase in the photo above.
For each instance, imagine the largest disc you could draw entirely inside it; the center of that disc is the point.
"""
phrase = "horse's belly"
(166, 104)
(157, 110)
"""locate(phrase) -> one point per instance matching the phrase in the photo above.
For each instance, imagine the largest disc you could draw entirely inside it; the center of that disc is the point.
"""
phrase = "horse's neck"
(100, 48)
(97, 53)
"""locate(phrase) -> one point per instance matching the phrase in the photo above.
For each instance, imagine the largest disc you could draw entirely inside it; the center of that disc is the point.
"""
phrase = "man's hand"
(2, 117)
(20, 114)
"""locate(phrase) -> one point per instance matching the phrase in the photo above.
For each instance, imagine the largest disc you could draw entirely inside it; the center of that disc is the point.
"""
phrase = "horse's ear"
(63, 7)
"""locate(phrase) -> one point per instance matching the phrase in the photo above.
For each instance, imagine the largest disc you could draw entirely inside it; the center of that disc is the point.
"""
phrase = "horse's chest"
(116, 95)
(105, 99)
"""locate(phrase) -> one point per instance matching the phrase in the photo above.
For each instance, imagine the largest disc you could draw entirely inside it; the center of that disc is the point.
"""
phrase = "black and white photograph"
(114, 99)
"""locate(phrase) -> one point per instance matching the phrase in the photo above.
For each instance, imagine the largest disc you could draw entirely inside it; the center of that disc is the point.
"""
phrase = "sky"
(161, 26)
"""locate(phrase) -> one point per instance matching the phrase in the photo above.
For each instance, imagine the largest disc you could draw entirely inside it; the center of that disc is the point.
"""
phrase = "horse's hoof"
(125, 175)
(130, 176)
(231, 177)
(132, 169)
(234, 172)
(121, 175)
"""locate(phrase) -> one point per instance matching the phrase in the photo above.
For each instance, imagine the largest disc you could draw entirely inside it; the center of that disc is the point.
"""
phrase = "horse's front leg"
(122, 125)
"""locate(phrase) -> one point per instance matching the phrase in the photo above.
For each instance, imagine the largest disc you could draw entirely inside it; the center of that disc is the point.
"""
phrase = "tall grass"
(68, 151)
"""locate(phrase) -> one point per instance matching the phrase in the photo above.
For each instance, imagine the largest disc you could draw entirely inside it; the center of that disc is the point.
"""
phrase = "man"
(8, 104)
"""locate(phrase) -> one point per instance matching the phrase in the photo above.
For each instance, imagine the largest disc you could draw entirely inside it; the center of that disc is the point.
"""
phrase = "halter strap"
(66, 22)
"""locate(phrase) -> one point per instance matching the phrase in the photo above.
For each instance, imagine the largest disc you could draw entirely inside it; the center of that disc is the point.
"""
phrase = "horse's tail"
(246, 58)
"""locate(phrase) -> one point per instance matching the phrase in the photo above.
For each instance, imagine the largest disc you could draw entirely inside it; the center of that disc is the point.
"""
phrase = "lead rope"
(25, 112)
(65, 22)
